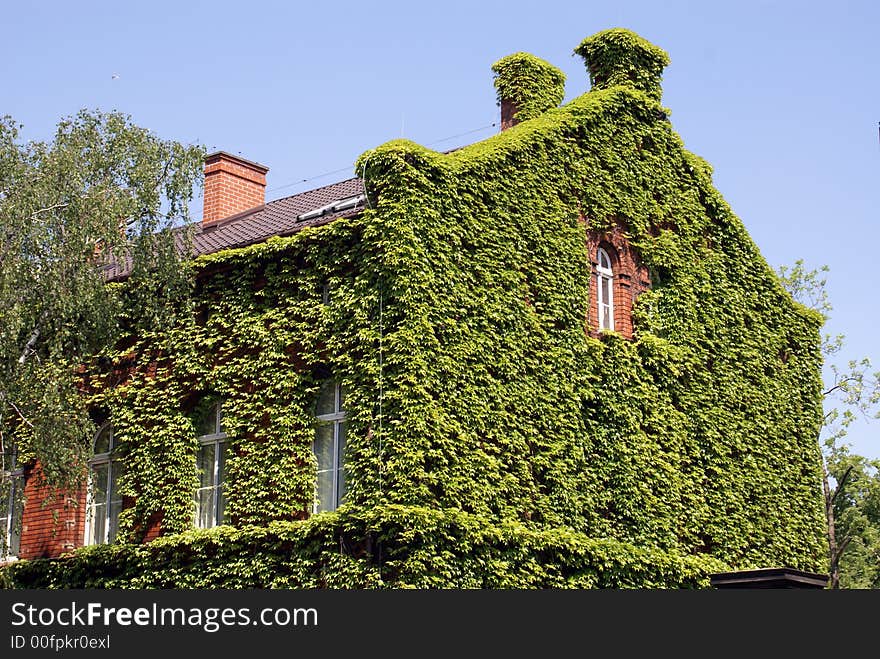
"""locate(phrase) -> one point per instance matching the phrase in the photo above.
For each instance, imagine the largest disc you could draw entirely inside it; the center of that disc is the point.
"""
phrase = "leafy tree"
(851, 483)
(102, 191)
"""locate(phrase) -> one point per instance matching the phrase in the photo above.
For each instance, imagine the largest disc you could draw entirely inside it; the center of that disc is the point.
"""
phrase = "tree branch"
(32, 341)
(841, 483)
(840, 384)
(23, 417)
(29, 346)
(47, 209)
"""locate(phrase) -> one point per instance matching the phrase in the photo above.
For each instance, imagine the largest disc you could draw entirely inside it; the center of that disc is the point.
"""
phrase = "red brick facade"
(508, 110)
(630, 279)
(52, 525)
(232, 185)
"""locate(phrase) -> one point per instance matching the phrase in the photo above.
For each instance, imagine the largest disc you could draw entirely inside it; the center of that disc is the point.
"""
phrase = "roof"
(282, 217)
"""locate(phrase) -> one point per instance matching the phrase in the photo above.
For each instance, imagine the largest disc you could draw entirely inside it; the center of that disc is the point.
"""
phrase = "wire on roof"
(311, 178)
(342, 169)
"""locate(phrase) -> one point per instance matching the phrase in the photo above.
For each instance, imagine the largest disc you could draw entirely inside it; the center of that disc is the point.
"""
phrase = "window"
(329, 447)
(605, 289)
(211, 465)
(11, 504)
(104, 500)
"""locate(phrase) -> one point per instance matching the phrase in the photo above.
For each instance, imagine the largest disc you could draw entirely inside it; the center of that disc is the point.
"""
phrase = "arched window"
(211, 466)
(104, 500)
(329, 447)
(605, 290)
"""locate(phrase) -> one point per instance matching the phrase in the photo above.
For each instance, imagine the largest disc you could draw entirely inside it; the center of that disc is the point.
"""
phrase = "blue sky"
(782, 98)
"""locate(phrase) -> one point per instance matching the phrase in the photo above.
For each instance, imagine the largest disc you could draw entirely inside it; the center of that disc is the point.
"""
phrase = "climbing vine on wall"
(531, 84)
(456, 322)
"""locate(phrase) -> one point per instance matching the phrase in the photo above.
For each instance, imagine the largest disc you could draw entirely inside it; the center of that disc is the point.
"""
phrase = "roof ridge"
(323, 187)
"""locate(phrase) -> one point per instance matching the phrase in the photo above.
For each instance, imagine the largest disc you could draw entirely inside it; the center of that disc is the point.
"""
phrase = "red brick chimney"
(508, 114)
(232, 185)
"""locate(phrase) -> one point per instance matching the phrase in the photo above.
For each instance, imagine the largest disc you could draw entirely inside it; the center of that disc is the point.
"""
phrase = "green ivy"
(618, 57)
(531, 84)
(492, 441)
(386, 547)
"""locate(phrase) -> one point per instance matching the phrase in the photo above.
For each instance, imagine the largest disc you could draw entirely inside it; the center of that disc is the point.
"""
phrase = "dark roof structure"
(281, 217)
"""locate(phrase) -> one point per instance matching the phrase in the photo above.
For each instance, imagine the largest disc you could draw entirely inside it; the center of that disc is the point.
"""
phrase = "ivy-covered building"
(551, 358)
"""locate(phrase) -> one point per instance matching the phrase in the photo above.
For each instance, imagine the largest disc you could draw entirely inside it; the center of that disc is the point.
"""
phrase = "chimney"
(232, 185)
(526, 87)
(508, 114)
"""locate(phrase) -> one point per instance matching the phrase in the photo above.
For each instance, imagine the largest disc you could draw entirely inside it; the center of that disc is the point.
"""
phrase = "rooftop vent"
(333, 207)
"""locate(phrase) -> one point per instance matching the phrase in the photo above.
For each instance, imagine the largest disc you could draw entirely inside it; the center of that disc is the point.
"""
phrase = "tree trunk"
(833, 549)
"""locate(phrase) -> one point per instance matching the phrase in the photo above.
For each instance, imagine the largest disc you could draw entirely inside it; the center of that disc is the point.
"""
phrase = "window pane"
(113, 520)
(113, 469)
(102, 441)
(341, 433)
(17, 495)
(11, 507)
(222, 517)
(325, 490)
(221, 462)
(221, 477)
(206, 423)
(341, 398)
(205, 508)
(115, 501)
(6, 498)
(340, 464)
(323, 446)
(205, 464)
(9, 458)
(99, 482)
(99, 523)
(341, 487)
(327, 399)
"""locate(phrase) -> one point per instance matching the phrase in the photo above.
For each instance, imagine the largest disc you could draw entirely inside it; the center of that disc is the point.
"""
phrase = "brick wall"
(52, 525)
(508, 110)
(630, 279)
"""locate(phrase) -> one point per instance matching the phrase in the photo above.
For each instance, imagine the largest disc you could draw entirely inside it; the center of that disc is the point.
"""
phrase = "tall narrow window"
(211, 464)
(605, 289)
(329, 447)
(11, 504)
(104, 500)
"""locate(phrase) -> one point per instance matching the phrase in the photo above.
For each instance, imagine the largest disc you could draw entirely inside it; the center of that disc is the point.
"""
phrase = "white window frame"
(218, 438)
(111, 522)
(604, 273)
(13, 483)
(337, 418)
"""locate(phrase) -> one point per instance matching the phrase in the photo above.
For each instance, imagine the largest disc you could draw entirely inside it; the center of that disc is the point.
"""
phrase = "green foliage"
(851, 482)
(618, 57)
(492, 441)
(385, 547)
(102, 186)
(857, 517)
(531, 84)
